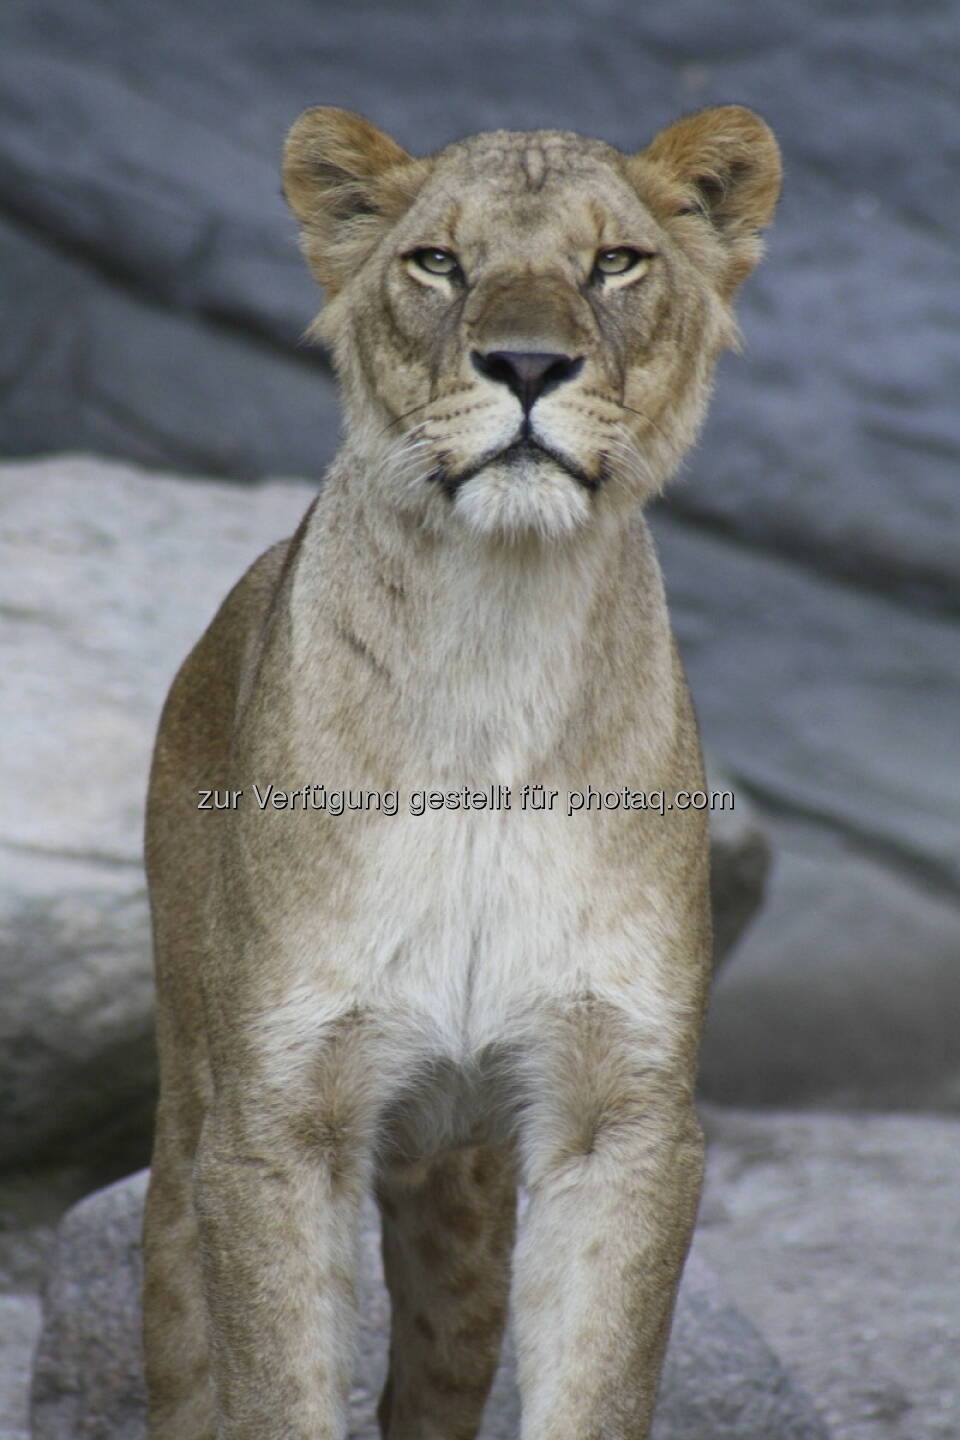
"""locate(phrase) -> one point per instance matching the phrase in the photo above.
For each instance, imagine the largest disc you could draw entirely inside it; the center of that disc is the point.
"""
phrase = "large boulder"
(839, 1236)
(831, 707)
(119, 375)
(721, 1381)
(826, 701)
(30, 1209)
(108, 575)
(845, 990)
(107, 578)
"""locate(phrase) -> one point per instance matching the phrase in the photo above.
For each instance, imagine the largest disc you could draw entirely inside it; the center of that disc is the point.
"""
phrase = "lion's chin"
(523, 497)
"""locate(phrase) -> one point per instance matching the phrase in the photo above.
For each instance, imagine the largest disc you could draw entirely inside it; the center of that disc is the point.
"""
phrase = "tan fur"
(431, 1006)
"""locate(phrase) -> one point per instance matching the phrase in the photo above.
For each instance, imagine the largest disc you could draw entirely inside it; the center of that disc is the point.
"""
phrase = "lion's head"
(526, 324)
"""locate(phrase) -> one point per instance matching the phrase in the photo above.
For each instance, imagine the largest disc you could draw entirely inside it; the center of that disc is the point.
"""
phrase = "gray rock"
(739, 862)
(721, 1381)
(30, 1207)
(108, 575)
(118, 375)
(826, 702)
(833, 709)
(77, 1067)
(839, 1236)
(20, 1318)
(845, 991)
(88, 1372)
(106, 580)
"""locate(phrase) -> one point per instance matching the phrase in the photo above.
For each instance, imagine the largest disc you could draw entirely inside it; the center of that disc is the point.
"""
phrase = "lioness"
(438, 1002)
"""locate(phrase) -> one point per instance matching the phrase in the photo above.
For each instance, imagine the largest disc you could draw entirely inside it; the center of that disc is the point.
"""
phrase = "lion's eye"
(435, 262)
(619, 260)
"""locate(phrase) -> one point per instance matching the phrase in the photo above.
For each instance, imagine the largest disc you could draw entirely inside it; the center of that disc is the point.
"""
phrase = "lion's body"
(432, 1004)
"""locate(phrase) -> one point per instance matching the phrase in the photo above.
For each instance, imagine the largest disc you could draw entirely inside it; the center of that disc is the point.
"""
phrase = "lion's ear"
(344, 179)
(728, 164)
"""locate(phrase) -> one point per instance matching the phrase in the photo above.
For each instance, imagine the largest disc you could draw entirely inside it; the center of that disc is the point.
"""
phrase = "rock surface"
(834, 709)
(829, 702)
(739, 862)
(120, 375)
(721, 1381)
(108, 576)
(20, 1318)
(845, 990)
(106, 581)
(30, 1208)
(839, 1236)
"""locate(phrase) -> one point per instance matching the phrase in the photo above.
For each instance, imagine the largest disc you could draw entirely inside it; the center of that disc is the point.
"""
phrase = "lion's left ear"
(728, 164)
(344, 180)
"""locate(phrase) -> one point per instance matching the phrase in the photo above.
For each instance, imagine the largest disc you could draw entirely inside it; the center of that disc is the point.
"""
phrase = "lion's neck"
(505, 652)
(488, 650)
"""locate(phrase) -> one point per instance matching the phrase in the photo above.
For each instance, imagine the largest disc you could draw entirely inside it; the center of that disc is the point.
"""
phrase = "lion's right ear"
(345, 181)
(726, 164)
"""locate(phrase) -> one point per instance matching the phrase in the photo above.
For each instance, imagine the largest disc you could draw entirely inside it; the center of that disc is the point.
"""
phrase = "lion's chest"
(461, 916)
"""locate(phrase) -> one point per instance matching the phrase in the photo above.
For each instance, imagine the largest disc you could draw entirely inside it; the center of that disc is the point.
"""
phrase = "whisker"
(397, 418)
(634, 462)
(643, 416)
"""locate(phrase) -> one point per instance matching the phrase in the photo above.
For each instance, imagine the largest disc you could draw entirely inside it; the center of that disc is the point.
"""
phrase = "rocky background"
(152, 301)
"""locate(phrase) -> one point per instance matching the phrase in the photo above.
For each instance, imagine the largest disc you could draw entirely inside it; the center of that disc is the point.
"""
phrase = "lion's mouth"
(524, 447)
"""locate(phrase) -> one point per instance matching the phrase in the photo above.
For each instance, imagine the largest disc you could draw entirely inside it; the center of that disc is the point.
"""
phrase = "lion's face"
(526, 325)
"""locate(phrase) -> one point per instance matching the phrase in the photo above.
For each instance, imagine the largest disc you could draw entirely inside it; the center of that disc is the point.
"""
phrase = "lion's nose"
(527, 373)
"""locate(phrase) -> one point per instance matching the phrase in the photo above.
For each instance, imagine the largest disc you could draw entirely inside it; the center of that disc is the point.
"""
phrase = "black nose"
(527, 373)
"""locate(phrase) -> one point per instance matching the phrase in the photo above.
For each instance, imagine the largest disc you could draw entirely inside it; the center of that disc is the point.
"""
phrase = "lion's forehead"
(509, 185)
(527, 160)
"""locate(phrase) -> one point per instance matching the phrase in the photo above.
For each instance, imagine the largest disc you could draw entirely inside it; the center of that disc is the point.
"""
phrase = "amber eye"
(619, 260)
(435, 262)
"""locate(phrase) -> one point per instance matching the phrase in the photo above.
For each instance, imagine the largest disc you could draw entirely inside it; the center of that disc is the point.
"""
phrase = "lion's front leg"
(278, 1183)
(614, 1163)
